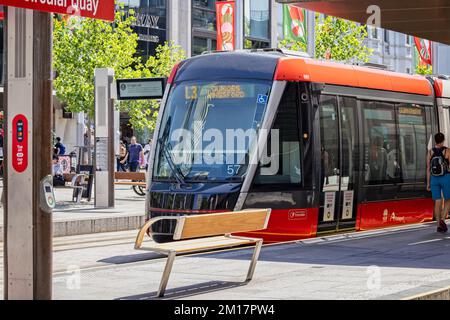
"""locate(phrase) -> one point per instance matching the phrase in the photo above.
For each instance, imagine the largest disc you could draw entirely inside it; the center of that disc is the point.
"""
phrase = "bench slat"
(189, 227)
(130, 183)
(197, 245)
(129, 176)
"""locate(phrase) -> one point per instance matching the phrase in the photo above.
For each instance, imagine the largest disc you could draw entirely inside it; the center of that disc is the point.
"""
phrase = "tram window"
(281, 164)
(381, 165)
(349, 138)
(412, 142)
(329, 143)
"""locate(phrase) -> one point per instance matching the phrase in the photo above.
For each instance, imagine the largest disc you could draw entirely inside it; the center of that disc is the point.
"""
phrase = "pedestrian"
(147, 149)
(60, 149)
(438, 180)
(135, 153)
(122, 158)
(57, 172)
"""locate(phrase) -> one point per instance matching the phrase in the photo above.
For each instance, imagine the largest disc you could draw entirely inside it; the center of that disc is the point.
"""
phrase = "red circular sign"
(20, 143)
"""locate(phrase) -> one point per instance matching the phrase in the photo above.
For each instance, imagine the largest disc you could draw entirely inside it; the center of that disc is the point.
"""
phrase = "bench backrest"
(140, 176)
(205, 225)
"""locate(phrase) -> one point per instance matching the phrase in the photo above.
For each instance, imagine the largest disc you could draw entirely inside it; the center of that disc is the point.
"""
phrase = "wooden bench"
(132, 178)
(199, 233)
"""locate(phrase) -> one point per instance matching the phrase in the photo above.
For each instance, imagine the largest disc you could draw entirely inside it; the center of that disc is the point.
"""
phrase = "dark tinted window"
(282, 165)
(381, 165)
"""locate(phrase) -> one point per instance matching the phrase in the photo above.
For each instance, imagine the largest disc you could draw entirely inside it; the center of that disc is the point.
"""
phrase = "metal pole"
(435, 57)
(42, 155)
(28, 229)
(311, 26)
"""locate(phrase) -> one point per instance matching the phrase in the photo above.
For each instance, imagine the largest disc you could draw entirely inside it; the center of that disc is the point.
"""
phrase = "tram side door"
(339, 179)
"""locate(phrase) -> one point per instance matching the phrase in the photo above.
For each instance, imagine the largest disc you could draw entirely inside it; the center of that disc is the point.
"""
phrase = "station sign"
(97, 9)
(141, 89)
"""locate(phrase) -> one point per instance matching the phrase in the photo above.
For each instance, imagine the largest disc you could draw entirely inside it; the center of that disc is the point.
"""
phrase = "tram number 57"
(233, 169)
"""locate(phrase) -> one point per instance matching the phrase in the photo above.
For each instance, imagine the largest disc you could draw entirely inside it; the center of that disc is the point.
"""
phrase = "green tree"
(424, 69)
(89, 44)
(143, 114)
(336, 39)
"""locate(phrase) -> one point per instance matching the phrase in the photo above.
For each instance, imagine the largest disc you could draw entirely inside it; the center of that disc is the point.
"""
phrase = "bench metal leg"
(166, 274)
(255, 257)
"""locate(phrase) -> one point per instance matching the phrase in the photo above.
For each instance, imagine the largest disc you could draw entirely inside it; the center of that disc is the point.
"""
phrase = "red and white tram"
(329, 147)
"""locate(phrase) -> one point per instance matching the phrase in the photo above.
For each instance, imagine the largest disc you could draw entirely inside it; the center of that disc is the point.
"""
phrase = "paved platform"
(70, 218)
(395, 263)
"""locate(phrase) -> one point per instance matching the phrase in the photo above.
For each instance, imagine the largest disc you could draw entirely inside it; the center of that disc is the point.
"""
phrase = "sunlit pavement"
(386, 264)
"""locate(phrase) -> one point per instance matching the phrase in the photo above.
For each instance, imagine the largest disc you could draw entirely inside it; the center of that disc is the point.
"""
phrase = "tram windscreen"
(209, 129)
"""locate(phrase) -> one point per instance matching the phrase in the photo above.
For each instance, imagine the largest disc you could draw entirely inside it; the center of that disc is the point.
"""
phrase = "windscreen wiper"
(176, 171)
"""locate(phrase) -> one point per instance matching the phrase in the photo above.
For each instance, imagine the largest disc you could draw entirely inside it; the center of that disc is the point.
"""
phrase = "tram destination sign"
(97, 9)
(141, 89)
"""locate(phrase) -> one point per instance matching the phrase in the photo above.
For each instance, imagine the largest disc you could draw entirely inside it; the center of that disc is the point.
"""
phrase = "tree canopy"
(336, 39)
(81, 47)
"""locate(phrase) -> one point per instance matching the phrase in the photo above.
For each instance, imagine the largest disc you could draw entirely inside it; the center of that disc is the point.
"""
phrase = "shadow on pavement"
(411, 248)
(132, 258)
(187, 291)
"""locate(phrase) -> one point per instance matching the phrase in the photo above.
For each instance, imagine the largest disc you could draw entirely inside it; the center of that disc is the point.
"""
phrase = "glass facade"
(256, 24)
(150, 24)
(204, 26)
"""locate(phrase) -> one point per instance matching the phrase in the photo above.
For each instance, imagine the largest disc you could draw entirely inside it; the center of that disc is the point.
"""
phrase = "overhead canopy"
(428, 19)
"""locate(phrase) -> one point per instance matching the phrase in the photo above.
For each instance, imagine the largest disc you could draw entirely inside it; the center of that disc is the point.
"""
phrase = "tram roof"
(278, 66)
(303, 69)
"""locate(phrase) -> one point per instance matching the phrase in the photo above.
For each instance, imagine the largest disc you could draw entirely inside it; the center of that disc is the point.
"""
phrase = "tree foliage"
(424, 69)
(80, 48)
(336, 39)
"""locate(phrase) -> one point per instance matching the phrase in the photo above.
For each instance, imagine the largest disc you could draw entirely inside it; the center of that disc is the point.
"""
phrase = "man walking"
(438, 180)
(135, 153)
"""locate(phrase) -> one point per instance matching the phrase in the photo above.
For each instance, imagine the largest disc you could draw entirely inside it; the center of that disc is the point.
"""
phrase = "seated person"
(57, 172)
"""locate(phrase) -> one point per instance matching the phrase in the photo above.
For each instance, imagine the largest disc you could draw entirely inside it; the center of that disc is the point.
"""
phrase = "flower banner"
(294, 23)
(424, 49)
(225, 25)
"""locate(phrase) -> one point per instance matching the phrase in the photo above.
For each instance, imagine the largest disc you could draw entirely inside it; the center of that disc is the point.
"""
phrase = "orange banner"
(225, 25)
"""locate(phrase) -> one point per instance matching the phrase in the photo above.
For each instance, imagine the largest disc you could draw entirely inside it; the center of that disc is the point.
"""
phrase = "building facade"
(391, 49)
(192, 24)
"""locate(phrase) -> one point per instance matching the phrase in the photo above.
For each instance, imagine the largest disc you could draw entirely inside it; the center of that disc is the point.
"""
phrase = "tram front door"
(339, 177)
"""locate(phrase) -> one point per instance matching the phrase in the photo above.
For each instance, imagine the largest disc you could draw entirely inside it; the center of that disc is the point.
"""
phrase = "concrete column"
(180, 23)
(239, 24)
(311, 31)
(274, 24)
(435, 57)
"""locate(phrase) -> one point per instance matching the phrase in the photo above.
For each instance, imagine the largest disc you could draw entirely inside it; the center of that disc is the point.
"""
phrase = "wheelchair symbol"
(262, 99)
